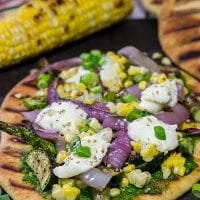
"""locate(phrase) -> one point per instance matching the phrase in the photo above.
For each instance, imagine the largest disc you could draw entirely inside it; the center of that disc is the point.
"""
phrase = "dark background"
(140, 33)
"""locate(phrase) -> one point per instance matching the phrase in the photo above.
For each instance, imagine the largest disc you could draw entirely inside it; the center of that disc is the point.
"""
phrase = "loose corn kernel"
(136, 146)
(175, 163)
(157, 55)
(133, 70)
(114, 192)
(118, 69)
(154, 77)
(186, 91)
(111, 106)
(88, 101)
(58, 192)
(124, 108)
(187, 125)
(65, 74)
(94, 123)
(162, 78)
(71, 193)
(142, 85)
(61, 156)
(84, 134)
(166, 61)
(128, 83)
(81, 86)
(80, 184)
(129, 168)
(149, 152)
(124, 182)
(180, 134)
(123, 75)
(68, 137)
(68, 181)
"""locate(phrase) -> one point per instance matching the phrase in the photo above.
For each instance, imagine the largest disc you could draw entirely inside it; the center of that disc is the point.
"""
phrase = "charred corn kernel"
(61, 156)
(139, 178)
(175, 163)
(122, 75)
(124, 108)
(162, 78)
(129, 168)
(149, 152)
(187, 125)
(133, 70)
(111, 106)
(80, 184)
(166, 61)
(124, 182)
(136, 146)
(157, 55)
(114, 192)
(186, 91)
(77, 94)
(142, 85)
(81, 86)
(128, 83)
(68, 137)
(43, 25)
(94, 123)
(71, 193)
(58, 192)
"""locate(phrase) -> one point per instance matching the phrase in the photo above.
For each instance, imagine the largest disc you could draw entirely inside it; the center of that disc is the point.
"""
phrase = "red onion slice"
(119, 150)
(137, 57)
(60, 65)
(115, 123)
(178, 115)
(30, 115)
(96, 178)
(52, 95)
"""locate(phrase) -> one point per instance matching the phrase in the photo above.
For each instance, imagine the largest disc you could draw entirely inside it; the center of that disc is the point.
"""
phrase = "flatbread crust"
(12, 148)
(179, 33)
(153, 6)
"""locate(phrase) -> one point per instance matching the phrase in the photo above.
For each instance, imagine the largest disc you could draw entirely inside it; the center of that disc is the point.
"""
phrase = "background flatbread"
(153, 6)
(179, 33)
(12, 148)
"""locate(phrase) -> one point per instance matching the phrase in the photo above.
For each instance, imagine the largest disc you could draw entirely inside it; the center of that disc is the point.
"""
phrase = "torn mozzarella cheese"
(143, 130)
(158, 96)
(63, 117)
(109, 76)
(75, 165)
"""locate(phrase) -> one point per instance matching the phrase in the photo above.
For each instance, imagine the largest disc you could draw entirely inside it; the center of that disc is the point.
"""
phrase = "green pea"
(134, 114)
(129, 98)
(96, 90)
(90, 79)
(160, 132)
(44, 80)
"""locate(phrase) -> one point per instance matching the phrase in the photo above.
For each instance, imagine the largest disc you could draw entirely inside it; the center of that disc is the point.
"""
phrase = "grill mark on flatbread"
(14, 154)
(17, 140)
(30, 84)
(157, 1)
(195, 39)
(186, 12)
(183, 28)
(189, 55)
(21, 186)
(11, 168)
(13, 110)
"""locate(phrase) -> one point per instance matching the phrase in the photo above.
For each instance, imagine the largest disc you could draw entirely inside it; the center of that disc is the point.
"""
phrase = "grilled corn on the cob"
(45, 24)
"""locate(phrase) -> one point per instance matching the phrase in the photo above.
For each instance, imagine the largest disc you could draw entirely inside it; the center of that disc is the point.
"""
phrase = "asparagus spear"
(29, 136)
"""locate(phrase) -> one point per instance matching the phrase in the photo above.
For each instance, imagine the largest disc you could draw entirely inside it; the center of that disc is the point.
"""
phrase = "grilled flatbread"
(153, 6)
(12, 148)
(179, 33)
